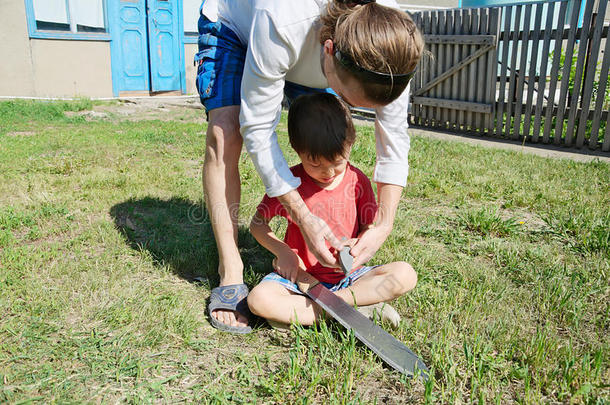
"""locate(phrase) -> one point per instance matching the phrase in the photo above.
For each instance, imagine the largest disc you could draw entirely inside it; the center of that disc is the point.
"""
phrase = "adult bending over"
(251, 54)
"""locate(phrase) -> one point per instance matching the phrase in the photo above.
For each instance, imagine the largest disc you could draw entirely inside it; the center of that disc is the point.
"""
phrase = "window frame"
(190, 39)
(34, 32)
(187, 37)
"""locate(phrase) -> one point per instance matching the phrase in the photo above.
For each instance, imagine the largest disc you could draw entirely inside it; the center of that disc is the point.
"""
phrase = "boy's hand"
(368, 243)
(287, 265)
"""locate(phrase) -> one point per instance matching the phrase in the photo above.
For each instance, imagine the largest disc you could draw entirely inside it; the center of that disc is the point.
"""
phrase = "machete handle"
(306, 281)
(346, 260)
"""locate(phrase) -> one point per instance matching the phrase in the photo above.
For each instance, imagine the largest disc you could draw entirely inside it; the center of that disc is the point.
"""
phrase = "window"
(67, 19)
(190, 10)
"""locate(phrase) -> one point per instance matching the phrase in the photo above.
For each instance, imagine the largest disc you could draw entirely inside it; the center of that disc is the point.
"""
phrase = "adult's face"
(347, 88)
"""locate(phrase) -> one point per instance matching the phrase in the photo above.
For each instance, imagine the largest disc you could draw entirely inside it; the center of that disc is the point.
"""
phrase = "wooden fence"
(524, 72)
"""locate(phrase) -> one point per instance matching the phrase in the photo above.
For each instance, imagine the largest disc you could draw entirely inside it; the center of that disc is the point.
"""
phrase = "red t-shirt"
(345, 208)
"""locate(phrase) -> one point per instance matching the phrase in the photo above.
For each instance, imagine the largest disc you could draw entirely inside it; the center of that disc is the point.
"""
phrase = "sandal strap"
(229, 297)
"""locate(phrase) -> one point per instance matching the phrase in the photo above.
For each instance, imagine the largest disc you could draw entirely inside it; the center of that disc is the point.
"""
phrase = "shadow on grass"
(178, 234)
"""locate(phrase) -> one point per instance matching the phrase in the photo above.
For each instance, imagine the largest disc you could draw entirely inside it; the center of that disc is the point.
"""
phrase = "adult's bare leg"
(222, 190)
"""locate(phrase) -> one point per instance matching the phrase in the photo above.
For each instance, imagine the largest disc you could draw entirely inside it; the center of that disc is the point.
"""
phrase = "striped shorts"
(346, 282)
(220, 65)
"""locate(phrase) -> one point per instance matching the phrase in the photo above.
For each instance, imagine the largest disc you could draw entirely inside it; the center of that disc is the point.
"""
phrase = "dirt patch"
(89, 115)
(21, 133)
(185, 109)
(528, 220)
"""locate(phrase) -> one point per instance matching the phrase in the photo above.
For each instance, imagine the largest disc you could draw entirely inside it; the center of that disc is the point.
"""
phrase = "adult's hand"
(372, 238)
(314, 230)
(368, 243)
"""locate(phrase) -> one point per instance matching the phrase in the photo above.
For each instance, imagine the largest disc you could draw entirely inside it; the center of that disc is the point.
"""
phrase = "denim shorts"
(346, 282)
(220, 66)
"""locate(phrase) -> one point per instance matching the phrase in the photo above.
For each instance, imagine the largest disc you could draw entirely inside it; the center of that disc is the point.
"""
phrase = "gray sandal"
(232, 298)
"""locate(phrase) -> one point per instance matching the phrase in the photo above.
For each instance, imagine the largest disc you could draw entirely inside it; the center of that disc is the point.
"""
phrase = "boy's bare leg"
(222, 190)
(383, 283)
(273, 301)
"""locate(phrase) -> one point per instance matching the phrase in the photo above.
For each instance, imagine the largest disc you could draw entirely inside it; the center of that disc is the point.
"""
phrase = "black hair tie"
(360, 2)
(371, 75)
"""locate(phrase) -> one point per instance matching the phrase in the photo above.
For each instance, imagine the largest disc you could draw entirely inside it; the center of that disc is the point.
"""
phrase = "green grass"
(103, 232)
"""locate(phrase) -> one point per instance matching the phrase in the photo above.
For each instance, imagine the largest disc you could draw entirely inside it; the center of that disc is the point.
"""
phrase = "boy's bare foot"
(382, 311)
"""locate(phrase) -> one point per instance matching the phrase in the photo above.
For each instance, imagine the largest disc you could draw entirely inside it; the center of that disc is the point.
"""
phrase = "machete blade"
(386, 346)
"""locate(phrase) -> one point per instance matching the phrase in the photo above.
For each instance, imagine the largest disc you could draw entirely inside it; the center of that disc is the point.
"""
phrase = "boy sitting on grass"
(321, 131)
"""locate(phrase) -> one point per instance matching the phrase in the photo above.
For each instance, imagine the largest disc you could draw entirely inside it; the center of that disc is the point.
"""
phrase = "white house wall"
(189, 53)
(48, 67)
(16, 70)
(71, 68)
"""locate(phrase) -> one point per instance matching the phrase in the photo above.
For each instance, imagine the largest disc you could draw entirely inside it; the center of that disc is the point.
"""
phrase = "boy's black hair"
(320, 125)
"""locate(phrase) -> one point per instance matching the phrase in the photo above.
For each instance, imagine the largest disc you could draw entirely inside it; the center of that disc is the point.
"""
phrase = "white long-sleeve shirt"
(283, 45)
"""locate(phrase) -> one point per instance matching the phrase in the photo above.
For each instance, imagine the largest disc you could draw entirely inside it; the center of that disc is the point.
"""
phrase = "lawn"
(107, 259)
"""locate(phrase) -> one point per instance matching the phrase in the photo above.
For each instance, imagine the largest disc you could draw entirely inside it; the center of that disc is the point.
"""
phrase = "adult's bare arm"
(372, 238)
(314, 230)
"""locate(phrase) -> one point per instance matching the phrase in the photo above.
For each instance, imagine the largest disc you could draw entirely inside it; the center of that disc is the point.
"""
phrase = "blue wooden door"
(164, 45)
(129, 47)
(146, 45)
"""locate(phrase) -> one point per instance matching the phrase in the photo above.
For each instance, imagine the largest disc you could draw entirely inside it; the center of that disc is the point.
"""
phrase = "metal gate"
(528, 71)
(455, 86)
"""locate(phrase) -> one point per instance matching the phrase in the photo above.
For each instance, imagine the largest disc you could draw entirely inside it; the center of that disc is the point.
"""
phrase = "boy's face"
(324, 172)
